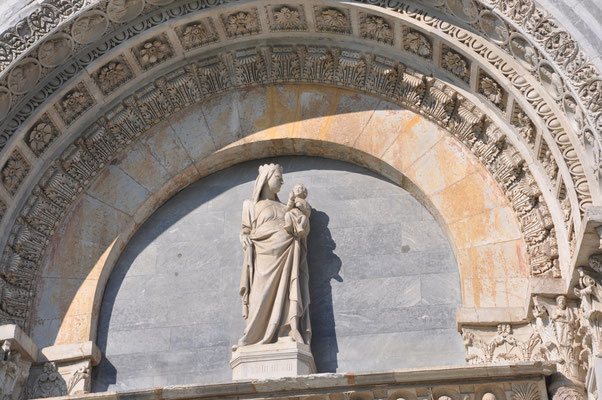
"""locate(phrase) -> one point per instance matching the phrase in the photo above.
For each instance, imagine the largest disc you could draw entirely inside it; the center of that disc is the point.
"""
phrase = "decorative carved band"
(562, 331)
(462, 56)
(175, 90)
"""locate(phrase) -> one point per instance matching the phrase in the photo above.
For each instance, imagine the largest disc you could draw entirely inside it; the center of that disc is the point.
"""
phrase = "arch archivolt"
(276, 120)
(146, 64)
(484, 46)
(86, 147)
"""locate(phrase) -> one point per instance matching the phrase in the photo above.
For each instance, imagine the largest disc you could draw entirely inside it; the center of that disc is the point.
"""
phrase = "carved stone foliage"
(49, 383)
(589, 291)
(455, 63)
(241, 23)
(376, 28)
(73, 104)
(492, 90)
(287, 18)
(524, 125)
(112, 75)
(202, 78)
(94, 23)
(332, 20)
(557, 324)
(503, 347)
(14, 370)
(41, 134)
(197, 34)
(417, 43)
(153, 52)
(536, 26)
(2, 209)
(14, 172)
(525, 391)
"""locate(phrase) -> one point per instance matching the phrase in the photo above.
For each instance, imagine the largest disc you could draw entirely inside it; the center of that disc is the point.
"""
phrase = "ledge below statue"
(273, 360)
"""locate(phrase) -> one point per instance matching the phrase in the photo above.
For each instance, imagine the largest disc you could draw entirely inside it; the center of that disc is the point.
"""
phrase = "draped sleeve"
(246, 279)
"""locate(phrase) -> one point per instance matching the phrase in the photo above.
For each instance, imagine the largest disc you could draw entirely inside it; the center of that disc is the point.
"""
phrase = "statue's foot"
(234, 348)
(297, 336)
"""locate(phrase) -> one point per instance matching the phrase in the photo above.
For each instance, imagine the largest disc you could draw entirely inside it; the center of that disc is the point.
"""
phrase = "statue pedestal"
(273, 360)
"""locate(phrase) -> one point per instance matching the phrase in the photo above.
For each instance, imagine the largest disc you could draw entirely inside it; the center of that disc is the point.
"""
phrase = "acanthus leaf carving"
(287, 18)
(332, 20)
(14, 172)
(376, 28)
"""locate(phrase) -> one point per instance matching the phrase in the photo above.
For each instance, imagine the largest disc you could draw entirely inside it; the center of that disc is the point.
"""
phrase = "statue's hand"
(245, 241)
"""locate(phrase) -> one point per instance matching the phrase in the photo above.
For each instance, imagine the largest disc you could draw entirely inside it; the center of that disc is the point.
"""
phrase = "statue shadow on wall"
(324, 266)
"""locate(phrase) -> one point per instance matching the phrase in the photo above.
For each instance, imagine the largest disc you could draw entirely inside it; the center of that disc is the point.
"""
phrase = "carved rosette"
(73, 104)
(112, 75)
(455, 63)
(153, 52)
(241, 23)
(41, 135)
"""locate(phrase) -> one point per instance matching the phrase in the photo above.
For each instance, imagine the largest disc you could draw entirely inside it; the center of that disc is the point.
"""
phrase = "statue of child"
(297, 213)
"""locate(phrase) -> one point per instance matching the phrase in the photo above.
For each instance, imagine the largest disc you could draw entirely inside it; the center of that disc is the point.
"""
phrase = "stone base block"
(274, 360)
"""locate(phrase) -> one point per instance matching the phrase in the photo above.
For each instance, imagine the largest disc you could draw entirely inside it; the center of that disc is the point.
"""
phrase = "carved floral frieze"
(241, 23)
(537, 25)
(112, 75)
(197, 34)
(332, 20)
(41, 135)
(376, 28)
(417, 43)
(287, 18)
(14, 172)
(74, 103)
(153, 52)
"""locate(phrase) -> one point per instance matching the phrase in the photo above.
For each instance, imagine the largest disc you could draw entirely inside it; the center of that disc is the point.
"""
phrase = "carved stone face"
(275, 182)
(561, 302)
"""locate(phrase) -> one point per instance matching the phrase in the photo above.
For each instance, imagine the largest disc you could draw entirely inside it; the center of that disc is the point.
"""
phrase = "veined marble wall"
(384, 281)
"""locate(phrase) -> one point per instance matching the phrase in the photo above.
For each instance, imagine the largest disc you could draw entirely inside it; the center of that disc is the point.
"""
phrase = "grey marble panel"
(383, 279)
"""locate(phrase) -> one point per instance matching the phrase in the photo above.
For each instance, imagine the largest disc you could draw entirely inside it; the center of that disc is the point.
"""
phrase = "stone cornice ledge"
(342, 382)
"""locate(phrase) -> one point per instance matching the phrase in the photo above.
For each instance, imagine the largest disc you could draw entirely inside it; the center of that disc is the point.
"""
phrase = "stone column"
(17, 352)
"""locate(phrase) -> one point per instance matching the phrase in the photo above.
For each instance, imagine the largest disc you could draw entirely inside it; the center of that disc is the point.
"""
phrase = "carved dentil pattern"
(114, 131)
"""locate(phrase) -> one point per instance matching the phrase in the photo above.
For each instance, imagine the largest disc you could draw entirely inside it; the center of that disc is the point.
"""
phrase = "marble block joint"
(273, 360)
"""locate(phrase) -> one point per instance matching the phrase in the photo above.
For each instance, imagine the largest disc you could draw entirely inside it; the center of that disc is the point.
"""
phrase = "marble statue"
(274, 284)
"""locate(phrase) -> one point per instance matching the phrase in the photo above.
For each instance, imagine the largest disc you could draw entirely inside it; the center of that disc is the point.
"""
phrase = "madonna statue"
(274, 285)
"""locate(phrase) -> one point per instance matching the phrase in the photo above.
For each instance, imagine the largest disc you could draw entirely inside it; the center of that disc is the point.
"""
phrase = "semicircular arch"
(269, 121)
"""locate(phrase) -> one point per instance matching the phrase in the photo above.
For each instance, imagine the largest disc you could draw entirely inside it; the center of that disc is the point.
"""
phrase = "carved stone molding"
(536, 25)
(205, 77)
(580, 189)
